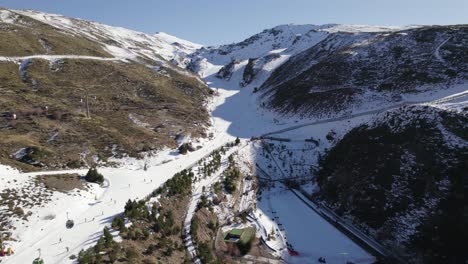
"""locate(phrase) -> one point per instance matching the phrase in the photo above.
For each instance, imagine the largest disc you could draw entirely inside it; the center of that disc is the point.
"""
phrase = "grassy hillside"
(28, 37)
(403, 180)
(135, 106)
(132, 108)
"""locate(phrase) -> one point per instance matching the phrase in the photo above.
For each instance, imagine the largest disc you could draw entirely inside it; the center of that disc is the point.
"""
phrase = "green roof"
(237, 232)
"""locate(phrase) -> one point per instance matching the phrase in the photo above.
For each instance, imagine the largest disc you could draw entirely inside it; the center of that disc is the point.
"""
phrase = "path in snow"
(372, 112)
(437, 51)
(57, 57)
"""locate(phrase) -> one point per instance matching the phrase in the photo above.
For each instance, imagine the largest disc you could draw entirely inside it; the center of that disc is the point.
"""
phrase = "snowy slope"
(118, 41)
(335, 69)
(348, 70)
(272, 47)
(235, 112)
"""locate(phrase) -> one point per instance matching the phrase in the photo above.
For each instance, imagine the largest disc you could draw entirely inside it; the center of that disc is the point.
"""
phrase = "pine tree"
(108, 238)
(94, 176)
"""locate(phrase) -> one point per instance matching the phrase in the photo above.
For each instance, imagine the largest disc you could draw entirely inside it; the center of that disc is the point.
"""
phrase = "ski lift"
(70, 223)
(322, 260)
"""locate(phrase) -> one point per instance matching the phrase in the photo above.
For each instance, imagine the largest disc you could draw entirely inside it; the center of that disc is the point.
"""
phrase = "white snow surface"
(7, 16)
(309, 233)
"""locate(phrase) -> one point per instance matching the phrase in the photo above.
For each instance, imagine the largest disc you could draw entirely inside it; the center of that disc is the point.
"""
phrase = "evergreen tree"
(108, 238)
(94, 176)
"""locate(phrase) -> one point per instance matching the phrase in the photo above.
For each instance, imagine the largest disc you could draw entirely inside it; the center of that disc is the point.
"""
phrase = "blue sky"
(225, 21)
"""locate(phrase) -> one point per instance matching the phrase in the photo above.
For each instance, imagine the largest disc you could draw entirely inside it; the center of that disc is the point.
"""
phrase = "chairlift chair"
(70, 223)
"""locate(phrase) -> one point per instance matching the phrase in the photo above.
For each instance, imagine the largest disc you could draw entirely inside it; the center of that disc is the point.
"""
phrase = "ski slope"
(309, 234)
(235, 112)
(131, 181)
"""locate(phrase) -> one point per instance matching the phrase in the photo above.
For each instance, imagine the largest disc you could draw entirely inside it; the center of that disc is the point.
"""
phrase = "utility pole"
(86, 91)
(87, 105)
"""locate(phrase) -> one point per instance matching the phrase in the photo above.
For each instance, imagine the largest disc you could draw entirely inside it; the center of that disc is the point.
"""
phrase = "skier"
(60, 240)
(67, 249)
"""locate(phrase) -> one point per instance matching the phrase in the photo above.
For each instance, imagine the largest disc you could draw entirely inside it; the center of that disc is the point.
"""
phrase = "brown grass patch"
(61, 182)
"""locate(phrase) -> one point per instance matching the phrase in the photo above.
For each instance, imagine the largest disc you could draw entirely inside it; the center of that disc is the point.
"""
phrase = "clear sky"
(225, 21)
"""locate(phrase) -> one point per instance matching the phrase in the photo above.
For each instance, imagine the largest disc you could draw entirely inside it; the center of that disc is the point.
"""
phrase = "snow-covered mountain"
(272, 47)
(77, 93)
(118, 41)
(348, 70)
(334, 69)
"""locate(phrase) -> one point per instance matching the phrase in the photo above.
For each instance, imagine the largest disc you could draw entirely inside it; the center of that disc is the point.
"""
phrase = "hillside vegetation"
(349, 69)
(26, 36)
(135, 105)
(403, 179)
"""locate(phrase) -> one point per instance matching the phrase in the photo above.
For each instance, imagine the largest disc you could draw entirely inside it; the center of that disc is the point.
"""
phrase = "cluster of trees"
(136, 210)
(231, 176)
(204, 253)
(135, 233)
(203, 249)
(204, 202)
(194, 224)
(105, 243)
(150, 223)
(165, 245)
(230, 180)
(244, 247)
(186, 147)
(217, 187)
(118, 223)
(180, 183)
(213, 165)
(165, 224)
(158, 221)
(162, 221)
(94, 176)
